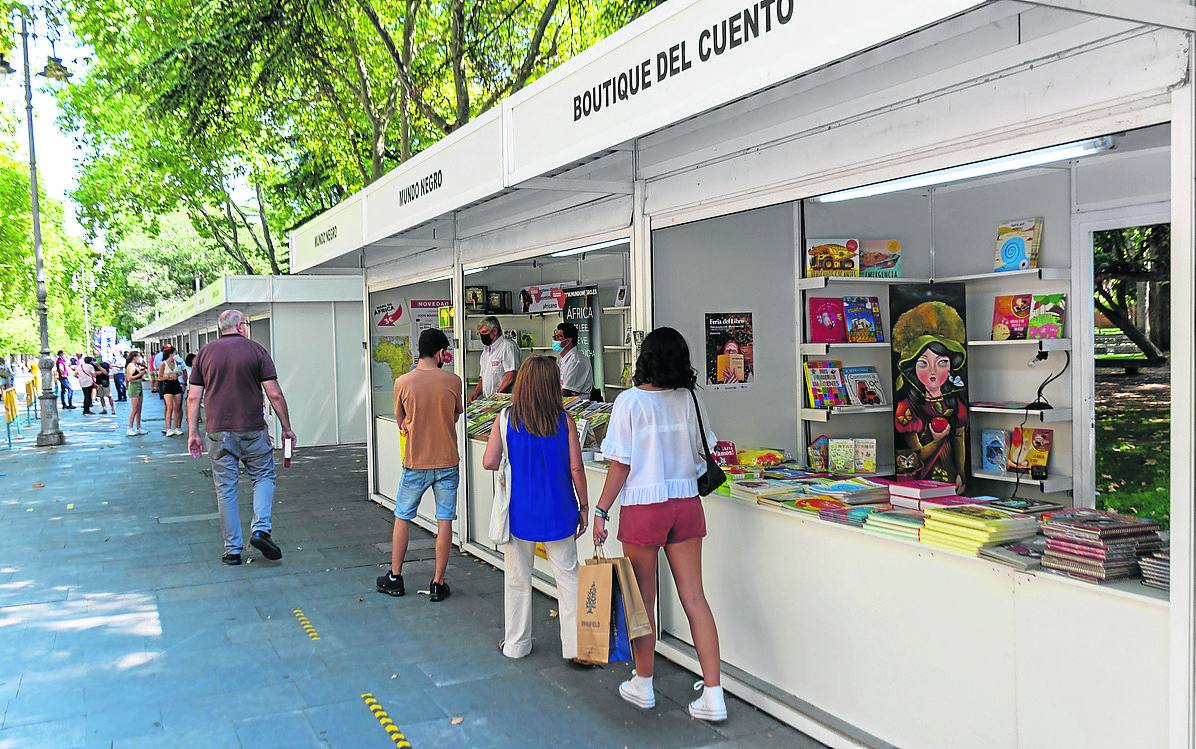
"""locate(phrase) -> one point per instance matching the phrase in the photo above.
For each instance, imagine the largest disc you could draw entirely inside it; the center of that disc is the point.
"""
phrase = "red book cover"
(827, 321)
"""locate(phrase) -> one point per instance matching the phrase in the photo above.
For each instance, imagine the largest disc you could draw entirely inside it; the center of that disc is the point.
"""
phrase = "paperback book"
(827, 322)
(1046, 316)
(994, 450)
(865, 454)
(1018, 243)
(921, 489)
(841, 455)
(863, 321)
(863, 386)
(880, 258)
(1024, 554)
(824, 384)
(817, 453)
(1030, 448)
(833, 257)
(1011, 316)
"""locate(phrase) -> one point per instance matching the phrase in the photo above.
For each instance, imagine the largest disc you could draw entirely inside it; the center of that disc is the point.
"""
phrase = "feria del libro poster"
(730, 360)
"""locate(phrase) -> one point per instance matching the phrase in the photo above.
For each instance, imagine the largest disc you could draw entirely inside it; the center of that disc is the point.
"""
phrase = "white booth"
(719, 141)
(311, 325)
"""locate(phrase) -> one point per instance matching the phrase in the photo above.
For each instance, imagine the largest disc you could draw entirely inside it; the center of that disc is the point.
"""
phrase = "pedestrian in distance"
(62, 370)
(229, 377)
(655, 448)
(427, 403)
(87, 381)
(172, 393)
(549, 503)
(118, 376)
(103, 386)
(135, 373)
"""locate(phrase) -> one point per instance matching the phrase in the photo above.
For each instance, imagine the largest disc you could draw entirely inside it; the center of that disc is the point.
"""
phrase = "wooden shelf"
(1047, 344)
(822, 349)
(1033, 274)
(825, 414)
(613, 310)
(1045, 416)
(820, 282)
(1049, 485)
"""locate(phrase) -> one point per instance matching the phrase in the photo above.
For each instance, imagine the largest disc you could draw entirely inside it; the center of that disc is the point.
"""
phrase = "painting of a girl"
(931, 411)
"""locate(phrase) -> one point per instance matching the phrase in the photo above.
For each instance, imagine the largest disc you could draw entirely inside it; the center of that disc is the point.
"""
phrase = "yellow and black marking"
(384, 720)
(312, 634)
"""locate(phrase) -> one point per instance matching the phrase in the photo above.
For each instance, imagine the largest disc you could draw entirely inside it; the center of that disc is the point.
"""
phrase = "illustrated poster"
(730, 361)
(425, 315)
(582, 309)
(391, 351)
(548, 297)
(930, 355)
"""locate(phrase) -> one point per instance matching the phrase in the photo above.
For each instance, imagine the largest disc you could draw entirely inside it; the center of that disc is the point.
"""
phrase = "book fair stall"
(311, 327)
(874, 223)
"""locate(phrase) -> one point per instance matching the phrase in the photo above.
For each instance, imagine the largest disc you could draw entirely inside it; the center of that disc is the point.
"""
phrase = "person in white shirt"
(577, 374)
(87, 380)
(499, 360)
(655, 448)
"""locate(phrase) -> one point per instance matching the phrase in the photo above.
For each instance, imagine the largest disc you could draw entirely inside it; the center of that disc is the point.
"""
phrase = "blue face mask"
(557, 346)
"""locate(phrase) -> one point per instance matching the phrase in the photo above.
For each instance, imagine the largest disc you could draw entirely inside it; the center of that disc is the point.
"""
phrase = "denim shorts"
(416, 481)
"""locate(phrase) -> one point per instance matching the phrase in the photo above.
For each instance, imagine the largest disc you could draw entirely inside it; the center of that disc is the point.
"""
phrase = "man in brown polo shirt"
(228, 377)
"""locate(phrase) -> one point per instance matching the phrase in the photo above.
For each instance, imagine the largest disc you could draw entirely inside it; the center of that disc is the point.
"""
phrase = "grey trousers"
(227, 450)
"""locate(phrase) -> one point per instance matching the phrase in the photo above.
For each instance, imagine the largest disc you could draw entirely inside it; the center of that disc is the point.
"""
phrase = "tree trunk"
(1118, 317)
(271, 252)
(1160, 314)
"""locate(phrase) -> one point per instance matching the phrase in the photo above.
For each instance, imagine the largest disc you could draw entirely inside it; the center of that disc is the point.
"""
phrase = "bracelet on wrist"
(599, 512)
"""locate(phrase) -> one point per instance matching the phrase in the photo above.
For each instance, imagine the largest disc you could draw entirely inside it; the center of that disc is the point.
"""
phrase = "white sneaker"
(711, 705)
(638, 691)
(132, 432)
(142, 431)
(172, 432)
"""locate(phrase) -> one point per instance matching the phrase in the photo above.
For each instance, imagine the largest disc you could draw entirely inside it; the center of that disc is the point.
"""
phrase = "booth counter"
(717, 176)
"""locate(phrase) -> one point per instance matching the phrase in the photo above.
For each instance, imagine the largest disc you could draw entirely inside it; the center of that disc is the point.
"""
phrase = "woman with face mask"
(135, 382)
(577, 376)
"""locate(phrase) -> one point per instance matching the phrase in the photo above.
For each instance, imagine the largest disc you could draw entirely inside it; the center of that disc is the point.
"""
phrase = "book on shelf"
(865, 455)
(1084, 522)
(861, 315)
(833, 257)
(824, 384)
(1011, 316)
(1026, 506)
(994, 450)
(841, 455)
(921, 488)
(1029, 448)
(827, 321)
(1018, 244)
(1046, 316)
(982, 518)
(621, 296)
(880, 258)
(817, 453)
(863, 386)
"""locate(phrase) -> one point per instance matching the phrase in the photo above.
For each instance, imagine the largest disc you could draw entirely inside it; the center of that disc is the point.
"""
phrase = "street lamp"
(50, 433)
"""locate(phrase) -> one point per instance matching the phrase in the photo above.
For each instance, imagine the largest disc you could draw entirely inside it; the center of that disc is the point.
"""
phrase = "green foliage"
(1123, 258)
(1133, 461)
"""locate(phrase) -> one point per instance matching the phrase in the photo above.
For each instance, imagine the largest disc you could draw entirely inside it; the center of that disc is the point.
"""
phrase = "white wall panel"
(303, 338)
(350, 372)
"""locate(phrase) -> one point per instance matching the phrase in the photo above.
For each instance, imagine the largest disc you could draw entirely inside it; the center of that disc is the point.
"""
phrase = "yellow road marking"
(385, 722)
(304, 622)
(70, 506)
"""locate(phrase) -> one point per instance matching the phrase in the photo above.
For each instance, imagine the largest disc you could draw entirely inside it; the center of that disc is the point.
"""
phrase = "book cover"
(862, 318)
(880, 258)
(824, 384)
(899, 517)
(1098, 523)
(865, 455)
(833, 257)
(841, 455)
(981, 518)
(863, 386)
(1018, 243)
(1029, 447)
(1011, 316)
(817, 453)
(994, 450)
(921, 488)
(724, 453)
(827, 322)
(1046, 316)
(1025, 506)
(731, 368)
(1023, 554)
(814, 504)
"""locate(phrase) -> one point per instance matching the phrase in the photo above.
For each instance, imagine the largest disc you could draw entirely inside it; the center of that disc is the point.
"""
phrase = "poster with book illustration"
(930, 376)
(729, 351)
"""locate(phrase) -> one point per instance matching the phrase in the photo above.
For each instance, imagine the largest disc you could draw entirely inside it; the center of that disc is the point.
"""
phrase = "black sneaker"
(263, 543)
(231, 559)
(391, 586)
(437, 592)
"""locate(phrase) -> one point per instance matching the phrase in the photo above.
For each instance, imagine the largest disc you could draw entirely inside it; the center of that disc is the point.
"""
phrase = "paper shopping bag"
(595, 583)
(638, 624)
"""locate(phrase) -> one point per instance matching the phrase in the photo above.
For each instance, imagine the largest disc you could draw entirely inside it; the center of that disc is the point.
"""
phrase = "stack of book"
(909, 494)
(811, 505)
(1156, 570)
(1024, 554)
(913, 503)
(969, 528)
(895, 523)
(1097, 546)
(753, 489)
(855, 491)
(853, 516)
(480, 415)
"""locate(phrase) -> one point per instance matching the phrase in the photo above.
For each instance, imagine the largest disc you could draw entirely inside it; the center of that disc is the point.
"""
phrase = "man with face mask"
(427, 406)
(500, 360)
(577, 376)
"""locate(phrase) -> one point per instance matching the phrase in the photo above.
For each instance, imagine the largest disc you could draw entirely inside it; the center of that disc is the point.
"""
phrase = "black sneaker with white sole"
(391, 586)
(437, 592)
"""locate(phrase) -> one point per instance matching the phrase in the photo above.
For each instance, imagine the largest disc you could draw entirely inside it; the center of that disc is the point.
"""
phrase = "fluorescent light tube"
(1010, 163)
(471, 271)
(591, 248)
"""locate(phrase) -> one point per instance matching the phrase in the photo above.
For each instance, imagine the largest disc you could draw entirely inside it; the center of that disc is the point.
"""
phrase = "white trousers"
(517, 600)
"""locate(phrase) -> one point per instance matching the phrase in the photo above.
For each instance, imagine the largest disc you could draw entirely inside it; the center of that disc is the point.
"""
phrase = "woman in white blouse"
(655, 452)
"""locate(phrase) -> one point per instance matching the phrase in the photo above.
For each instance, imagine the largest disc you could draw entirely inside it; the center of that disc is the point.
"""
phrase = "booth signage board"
(460, 169)
(581, 308)
(331, 234)
(696, 56)
(425, 315)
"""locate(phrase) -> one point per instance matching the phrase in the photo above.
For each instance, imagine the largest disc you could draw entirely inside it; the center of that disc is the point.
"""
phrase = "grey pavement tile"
(109, 725)
(349, 724)
(214, 735)
(283, 731)
(62, 733)
(457, 670)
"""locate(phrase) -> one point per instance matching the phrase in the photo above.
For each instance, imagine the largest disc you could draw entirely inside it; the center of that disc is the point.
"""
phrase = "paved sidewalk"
(119, 626)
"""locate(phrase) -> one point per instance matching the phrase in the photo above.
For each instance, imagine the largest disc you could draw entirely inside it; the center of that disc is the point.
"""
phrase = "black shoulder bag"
(714, 476)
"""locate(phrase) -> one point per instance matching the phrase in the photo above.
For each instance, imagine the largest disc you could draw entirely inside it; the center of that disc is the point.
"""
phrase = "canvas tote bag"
(500, 511)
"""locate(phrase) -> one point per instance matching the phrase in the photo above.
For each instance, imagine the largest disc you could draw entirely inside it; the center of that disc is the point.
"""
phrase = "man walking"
(63, 373)
(229, 376)
(118, 376)
(427, 406)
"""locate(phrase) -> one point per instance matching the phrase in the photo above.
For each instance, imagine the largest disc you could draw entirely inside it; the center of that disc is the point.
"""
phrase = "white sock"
(644, 680)
(712, 691)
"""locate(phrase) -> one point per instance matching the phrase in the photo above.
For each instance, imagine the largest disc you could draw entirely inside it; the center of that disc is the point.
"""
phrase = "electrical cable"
(1040, 404)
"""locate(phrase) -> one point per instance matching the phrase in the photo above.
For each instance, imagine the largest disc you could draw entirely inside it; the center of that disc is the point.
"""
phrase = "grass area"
(1133, 460)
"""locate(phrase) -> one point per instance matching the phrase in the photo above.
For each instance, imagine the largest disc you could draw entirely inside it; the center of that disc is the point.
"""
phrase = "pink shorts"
(662, 523)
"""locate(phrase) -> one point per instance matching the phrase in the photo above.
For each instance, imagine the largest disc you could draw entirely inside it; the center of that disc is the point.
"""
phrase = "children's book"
(1024, 554)
(981, 518)
(865, 455)
(1018, 243)
(862, 317)
(994, 450)
(880, 258)
(827, 323)
(921, 488)
(863, 386)
(1046, 316)
(841, 455)
(1029, 447)
(1025, 506)
(731, 364)
(833, 257)
(824, 384)
(817, 456)
(724, 453)
(1011, 316)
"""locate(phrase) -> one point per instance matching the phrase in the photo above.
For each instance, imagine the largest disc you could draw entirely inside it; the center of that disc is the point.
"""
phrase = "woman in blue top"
(548, 500)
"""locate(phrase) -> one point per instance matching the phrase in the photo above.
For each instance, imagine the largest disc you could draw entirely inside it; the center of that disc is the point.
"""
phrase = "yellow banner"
(30, 393)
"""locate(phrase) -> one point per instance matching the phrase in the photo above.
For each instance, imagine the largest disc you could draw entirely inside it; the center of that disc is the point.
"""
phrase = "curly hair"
(664, 361)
